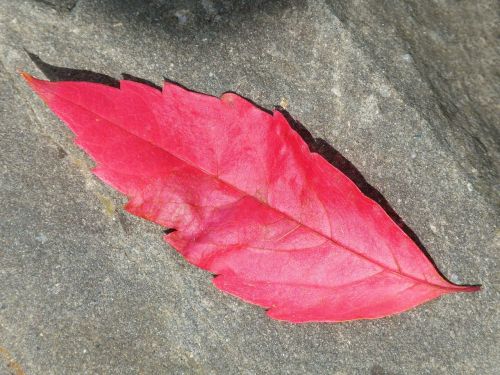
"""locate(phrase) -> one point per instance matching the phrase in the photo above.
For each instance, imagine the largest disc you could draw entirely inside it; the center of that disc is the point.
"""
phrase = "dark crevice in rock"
(60, 5)
(437, 92)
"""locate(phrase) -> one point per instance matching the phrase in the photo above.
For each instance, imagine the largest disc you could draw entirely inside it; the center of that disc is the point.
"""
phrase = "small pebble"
(335, 91)
(407, 57)
(454, 279)
(42, 238)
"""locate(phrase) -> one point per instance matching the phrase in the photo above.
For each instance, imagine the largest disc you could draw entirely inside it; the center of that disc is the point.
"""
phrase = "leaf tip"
(28, 77)
(32, 81)
(464, 288)
(471, 288)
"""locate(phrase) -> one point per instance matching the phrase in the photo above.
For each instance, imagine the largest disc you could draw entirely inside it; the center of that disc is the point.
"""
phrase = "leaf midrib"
(333, 241)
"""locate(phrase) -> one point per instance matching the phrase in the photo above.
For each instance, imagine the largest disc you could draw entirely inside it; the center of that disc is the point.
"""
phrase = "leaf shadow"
(57, 73)
(317, 145)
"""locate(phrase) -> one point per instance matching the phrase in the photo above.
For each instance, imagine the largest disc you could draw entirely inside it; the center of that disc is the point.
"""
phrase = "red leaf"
(279, 225)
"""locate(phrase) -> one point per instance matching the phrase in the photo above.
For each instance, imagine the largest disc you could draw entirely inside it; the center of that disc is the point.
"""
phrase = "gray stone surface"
(405, 90)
